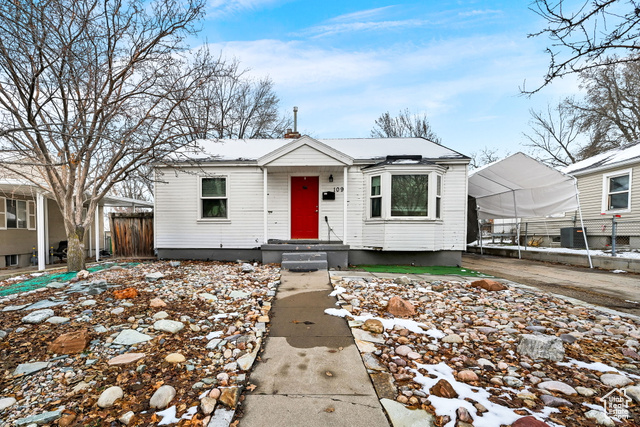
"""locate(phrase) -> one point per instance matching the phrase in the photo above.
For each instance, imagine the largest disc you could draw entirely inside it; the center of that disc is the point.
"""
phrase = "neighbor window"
(11, 260)
(409, 195)
(376, 197)
(16, 213)
(617, 190)
(213, 198)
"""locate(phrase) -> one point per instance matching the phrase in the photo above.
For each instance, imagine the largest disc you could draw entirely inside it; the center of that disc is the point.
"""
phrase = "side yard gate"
(132, 234)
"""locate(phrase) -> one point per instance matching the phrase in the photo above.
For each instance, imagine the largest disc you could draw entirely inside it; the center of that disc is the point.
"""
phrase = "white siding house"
(400, 200)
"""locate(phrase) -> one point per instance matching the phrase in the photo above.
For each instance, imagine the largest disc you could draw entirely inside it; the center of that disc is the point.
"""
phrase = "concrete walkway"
(311, 373)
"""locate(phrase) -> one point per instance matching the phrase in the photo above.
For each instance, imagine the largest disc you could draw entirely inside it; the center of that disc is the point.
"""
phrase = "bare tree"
(587, 35)
(485, 156)
(92, 91)
(405, 124)
(235, 106)
(554, 135)
(610, 110)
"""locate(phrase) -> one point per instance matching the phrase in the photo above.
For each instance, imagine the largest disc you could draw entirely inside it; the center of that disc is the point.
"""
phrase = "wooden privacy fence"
(132, 234)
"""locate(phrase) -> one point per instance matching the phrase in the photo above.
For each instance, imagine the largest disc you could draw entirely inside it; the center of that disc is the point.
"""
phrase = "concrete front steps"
(304, 261)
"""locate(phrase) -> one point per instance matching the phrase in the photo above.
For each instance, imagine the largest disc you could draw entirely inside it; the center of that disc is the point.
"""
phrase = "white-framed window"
(31, 215)
(16, 213)
(375, 197)
(617, 191)
(213, 198)
(11, 260)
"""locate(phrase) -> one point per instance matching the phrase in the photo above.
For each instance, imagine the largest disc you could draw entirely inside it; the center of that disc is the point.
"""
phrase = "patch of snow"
(593, 252)
(632, 302)
(168, 416)
(595, 366)
(190, 413)
(618, 271)
(214, 334)
(409, 324)
(496, 415)
(337, 291)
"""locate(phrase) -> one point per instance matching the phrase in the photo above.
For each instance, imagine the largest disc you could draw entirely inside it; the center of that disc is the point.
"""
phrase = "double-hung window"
(213, 198)
(16, 213)
(410, 195)
(375, 199)
(617, 191)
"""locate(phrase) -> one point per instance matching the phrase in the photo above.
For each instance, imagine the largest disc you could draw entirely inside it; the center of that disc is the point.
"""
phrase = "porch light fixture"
(331, 178)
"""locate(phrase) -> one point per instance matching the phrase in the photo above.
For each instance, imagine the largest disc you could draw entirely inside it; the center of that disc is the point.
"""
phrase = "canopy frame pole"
(584, 233)
(515, 211)
(480, 235)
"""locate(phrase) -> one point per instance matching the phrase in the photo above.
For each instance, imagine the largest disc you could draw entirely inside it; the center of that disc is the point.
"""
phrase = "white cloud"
(468, 87)
(362, 14)
(480, 12)
(228, 7)
(333, 29)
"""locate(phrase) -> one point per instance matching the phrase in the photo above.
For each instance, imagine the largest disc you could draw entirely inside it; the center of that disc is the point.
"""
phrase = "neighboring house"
(609, 186)
(23, 206)
(364, 201)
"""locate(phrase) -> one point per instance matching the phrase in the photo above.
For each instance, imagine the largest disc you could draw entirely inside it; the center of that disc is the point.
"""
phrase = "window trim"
(378, 196)
(3, 213)
(605, 190)
(201, 198)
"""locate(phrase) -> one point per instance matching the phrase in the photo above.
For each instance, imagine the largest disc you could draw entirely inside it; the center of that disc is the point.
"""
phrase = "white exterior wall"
(178, 225)
(177, 207)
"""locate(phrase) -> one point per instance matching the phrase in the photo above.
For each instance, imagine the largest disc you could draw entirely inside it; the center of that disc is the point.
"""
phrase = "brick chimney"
(293, 134)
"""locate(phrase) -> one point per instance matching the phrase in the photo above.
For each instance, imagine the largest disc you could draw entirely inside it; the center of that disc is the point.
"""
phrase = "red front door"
(304, 207)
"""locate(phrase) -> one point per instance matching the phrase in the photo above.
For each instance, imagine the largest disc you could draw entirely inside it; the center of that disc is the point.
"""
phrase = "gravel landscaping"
(156, 343)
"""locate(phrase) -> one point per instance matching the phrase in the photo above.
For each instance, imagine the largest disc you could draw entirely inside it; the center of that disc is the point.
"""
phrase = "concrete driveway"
(615, 291)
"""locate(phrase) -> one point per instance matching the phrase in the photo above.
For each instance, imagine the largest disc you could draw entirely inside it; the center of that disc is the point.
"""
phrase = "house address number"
(338, 189)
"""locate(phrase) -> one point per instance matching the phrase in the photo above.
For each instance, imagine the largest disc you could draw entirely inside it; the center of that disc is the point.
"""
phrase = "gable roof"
(366, 149)
(608, 160)
(296, 144)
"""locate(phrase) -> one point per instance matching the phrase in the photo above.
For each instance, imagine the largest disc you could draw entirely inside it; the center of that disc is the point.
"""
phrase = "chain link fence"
(607, 233)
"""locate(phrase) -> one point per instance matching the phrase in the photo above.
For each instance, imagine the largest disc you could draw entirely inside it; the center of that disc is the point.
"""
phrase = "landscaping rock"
(489, 285)
(400, 308)
(109, 396)
(70, 343)
(170, 326)
(541, 347)
(162, 397)
(38, 316)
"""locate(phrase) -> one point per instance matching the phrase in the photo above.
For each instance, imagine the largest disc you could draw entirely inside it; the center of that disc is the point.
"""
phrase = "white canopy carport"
(522, 187)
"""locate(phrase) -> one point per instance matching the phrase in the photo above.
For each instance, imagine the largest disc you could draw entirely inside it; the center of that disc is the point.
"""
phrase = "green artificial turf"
(410, 269)
(43, 280)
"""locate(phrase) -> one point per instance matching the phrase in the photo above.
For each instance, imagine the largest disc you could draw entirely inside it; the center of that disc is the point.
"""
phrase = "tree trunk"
(75, 250)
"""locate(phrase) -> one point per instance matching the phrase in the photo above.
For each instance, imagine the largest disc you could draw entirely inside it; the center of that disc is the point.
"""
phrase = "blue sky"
(343, 63)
